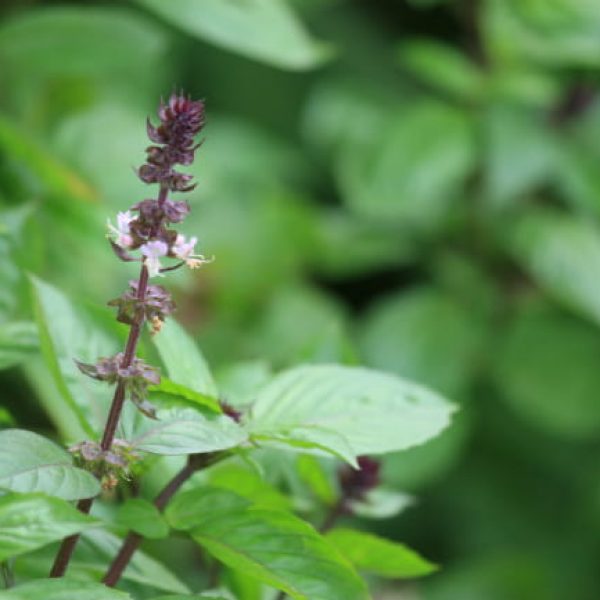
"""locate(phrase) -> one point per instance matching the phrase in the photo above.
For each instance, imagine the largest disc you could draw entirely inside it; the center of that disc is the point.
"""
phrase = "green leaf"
(142, 517)
(443, 67)
(168, 389)
(187, 431)
(66, 335)
(62, 589)
(265, 30)
(562, 253)
(239, 382)
(375, 412)
(411, 171)
(272, 546)
(29, 521)
(521, 153)
(426, 335)
(31, 463)
(547, 370)
(18, 341)
(206, 595)
(183, 360)
(370, 553)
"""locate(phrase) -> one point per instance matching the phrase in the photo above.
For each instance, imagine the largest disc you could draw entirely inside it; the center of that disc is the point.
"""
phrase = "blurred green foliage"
(413, 185)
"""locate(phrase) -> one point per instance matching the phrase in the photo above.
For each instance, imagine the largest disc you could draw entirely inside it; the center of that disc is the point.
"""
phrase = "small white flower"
(184, 251)
(153, 251)
(122, 231)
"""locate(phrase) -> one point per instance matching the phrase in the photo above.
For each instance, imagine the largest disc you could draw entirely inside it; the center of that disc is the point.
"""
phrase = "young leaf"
(31, 463)
(370, 553)
(273, 546)
(168, 389)
(186, 431)
(62, 589)
(28, 521)
(66, 335)
(143, 517)
(266, 30)
(313, 474)
(183, 360)
(381, 503)
(375, 412)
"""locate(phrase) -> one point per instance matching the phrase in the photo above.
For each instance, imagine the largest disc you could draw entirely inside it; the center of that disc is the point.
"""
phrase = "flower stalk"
(181, 119)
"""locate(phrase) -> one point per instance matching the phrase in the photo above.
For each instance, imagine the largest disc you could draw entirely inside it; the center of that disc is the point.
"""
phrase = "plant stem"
(67, 547)
(133, 540)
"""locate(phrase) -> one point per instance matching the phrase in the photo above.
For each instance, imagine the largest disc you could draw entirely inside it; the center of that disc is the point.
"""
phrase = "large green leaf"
(31, 463)
(18, 341)
(29, 521)
(62, 589)
(273, 546)
(370, 553)
(411, 170)
(562, 253)
(186, 431)
(183, 360)
(375, 412)
(66, 335)
(265, 30)
(169, 391)
(547, 370)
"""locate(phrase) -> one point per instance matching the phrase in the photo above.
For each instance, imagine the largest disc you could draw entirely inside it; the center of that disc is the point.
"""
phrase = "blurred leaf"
(298, 324)
(413, 168)
(376, 555)
(547, 369)
(28, 521)
(381, 503)
(425, 335)
(186, 431)
(521, 153)
(238, 383)
(18, 340)
(376, 412)
(314, 476)
(55, 177)
(183, 360)
(558, 33)
(66, 335)
(272, 546)
(562, 253)
(194, 597)
(31, 463)
(142, 517)
(443, 67)
(63, 40)
(265, 30)
(62, 589)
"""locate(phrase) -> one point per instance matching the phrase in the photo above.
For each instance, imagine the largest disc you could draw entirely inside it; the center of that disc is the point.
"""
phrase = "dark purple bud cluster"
(180, 120)
(356, 483)
(157, 304)
(111, 465)
(136, 377)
